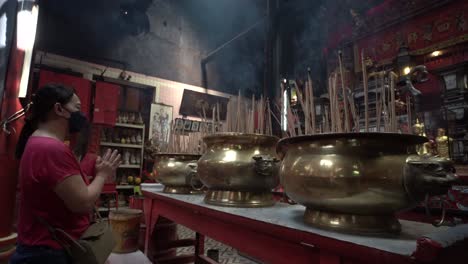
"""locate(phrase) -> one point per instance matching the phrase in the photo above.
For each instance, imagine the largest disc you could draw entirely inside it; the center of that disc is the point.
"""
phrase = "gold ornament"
(419, 129)
(442, 144)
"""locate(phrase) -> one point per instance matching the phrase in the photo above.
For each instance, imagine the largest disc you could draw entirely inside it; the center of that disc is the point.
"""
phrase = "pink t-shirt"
(44, 164)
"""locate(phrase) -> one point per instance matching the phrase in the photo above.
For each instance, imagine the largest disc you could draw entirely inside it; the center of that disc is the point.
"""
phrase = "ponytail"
(28, 128)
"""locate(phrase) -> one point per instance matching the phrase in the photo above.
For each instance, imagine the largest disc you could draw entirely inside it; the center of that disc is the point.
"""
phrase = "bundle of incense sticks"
(249, 116)
(385, 103)
(336, 107)
(181, 141)
(243, 116)
(184, 142)
(341, 115)
(307, 105)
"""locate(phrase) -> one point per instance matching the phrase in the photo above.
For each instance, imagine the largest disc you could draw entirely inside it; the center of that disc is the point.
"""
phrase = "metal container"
(178, 173)
(125, 225)
(240, 170)
(355, 182)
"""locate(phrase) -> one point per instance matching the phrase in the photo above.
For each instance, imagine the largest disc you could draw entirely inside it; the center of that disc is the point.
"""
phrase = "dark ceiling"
(88, 29)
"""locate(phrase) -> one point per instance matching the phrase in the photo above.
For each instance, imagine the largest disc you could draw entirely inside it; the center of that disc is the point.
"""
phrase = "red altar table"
(278, 235)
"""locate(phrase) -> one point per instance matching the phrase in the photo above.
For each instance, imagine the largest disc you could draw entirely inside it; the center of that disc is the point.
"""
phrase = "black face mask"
(76, 122)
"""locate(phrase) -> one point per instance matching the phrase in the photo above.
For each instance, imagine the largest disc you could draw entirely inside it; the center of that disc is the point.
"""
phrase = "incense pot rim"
(178, 154)
(387, 136)
(240, 138)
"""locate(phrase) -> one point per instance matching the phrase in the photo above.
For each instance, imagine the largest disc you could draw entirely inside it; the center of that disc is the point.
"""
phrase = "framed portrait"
(219, 127)
(179, 124)
(193, 102)
(160, 123)
(450, 81)
(187, 125)
(209, 126)
(195, 126)
(202, 127)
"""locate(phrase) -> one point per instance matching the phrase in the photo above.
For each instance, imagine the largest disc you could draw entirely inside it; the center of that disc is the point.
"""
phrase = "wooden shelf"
(119, 145)
(130, 166)
(130, 125)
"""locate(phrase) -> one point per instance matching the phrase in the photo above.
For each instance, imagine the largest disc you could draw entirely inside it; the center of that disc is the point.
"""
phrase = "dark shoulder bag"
(94, 246)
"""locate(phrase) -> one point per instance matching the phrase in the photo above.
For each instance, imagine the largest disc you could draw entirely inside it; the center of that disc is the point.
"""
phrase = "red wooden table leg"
(148, 211)
(199, 245)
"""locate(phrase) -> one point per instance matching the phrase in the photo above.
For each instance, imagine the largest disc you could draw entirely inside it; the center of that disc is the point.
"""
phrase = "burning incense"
(337, 105)
(353, 109)
(393, 121)
(311, 98)
(408, 113)
(345, 103)
(304, 107)
(331, 98)
(366, 99)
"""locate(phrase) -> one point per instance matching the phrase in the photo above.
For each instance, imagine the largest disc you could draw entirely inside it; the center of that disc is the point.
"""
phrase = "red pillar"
(8, 163)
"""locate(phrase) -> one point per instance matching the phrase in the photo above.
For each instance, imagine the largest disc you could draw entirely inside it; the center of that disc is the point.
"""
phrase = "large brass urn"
(239, 170)
(355, 182)
(177, 172)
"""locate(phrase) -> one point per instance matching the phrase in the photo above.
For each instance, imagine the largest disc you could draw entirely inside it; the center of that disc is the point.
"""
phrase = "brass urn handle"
(193, 176)
(426, 176)
(265, 165)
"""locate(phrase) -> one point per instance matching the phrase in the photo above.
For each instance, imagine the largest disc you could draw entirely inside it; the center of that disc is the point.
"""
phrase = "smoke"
(162, 38)
(239, 65)
(305, 37)
(89, 28)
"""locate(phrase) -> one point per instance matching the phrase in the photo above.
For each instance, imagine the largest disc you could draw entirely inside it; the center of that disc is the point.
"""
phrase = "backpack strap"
(67, 242)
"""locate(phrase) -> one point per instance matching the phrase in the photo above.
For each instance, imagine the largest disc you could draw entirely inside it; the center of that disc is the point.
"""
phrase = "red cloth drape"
(81, 86)
(8, 162)
(106, 103)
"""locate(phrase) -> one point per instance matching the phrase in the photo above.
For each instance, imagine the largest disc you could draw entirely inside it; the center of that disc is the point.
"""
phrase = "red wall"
(423, 34)
(8, 163)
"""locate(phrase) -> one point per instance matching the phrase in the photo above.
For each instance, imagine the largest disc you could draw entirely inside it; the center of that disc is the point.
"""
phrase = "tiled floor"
(227, 254)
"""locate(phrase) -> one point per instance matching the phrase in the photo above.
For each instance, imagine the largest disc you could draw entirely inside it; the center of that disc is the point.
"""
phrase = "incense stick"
(337, 105)
(345, 104)
(366, 99)
(408, 113)
(311, 100)
(392, 77)
(331, 98)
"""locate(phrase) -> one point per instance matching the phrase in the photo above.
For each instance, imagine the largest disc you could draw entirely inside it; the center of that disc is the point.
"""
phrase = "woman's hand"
(107, 164)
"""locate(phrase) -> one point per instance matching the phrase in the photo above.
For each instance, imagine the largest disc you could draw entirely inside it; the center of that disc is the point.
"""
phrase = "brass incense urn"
(178, 173)
(240, 170)
(355, 182)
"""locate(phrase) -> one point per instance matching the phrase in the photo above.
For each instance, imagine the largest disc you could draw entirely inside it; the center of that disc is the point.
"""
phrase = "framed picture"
(187, 125)
(193, 102)
(195, 126)
(209, 126)
(160, 123)
(179, 124)
(219, 127)
(450, 81)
